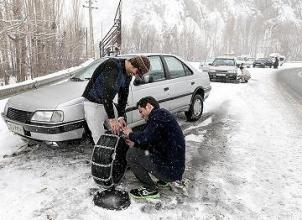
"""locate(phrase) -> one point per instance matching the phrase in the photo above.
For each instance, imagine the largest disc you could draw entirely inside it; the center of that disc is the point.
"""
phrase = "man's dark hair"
(149, 99)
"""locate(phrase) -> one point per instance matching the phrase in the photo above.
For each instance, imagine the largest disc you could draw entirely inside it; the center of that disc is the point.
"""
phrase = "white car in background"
(245, 60)
(55, 113)
(280, 57)
(249, 62)
(223, 68)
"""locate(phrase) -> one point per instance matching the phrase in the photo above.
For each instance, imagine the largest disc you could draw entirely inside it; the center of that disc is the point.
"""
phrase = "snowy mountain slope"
(198, 29)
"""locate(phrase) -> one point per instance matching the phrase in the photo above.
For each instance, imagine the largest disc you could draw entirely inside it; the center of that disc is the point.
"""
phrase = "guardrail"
(9, 90)
(291, 79)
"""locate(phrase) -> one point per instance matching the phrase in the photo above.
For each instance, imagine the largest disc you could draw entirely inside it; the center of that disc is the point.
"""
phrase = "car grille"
(19, 115)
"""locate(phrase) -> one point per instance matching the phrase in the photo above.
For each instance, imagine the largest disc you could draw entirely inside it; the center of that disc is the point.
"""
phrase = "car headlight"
(48, 116)
(5, 109)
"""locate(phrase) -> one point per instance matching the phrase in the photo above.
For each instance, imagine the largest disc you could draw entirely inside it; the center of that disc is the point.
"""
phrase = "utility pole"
(91, 39)
(111, 42)
(86, 41)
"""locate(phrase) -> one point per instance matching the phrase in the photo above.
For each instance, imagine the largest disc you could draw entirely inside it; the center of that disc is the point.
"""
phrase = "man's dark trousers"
(141, 165)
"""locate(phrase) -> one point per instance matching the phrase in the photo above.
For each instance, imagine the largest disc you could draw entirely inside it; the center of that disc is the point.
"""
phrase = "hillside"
(198, 29)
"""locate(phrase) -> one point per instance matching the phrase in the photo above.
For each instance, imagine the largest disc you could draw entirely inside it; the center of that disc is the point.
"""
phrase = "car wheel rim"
(197, 107)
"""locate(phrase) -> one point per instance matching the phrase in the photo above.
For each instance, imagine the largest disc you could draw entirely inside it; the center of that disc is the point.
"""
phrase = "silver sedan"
(55, 112)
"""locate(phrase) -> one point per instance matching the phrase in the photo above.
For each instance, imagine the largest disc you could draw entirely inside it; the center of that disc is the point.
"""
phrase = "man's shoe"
(144, 193)
(163, 185)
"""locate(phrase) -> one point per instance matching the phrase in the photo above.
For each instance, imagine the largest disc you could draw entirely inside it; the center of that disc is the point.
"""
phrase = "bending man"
(111, 77)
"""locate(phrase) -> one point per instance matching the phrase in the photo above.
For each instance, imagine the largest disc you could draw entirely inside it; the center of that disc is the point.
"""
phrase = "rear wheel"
(196, 108)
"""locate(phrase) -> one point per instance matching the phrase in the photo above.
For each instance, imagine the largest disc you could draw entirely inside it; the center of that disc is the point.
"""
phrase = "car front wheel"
(196, 108)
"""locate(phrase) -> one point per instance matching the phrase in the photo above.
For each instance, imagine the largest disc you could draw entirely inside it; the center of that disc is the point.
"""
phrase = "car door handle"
(192, 83)
(166, 89)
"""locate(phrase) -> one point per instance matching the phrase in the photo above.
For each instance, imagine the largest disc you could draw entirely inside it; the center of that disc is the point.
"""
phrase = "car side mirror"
(210, 64)
(138, 81)
(144, 80)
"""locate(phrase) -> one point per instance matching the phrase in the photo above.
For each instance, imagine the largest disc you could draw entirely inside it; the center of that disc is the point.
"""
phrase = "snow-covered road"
(243, 162)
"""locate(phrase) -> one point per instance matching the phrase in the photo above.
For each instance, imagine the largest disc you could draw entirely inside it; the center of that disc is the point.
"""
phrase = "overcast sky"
(102, 17)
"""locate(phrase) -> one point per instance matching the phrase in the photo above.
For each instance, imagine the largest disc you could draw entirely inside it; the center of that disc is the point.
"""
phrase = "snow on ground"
(243, 162)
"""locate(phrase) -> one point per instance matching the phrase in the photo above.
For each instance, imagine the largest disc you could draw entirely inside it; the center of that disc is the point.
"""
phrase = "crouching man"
(158, 150)
(244, 74)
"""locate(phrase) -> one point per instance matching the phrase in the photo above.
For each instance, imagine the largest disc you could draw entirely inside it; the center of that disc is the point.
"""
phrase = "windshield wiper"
(77, 79)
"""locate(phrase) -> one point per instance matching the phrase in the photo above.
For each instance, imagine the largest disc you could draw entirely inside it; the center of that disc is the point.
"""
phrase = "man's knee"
(131, 154)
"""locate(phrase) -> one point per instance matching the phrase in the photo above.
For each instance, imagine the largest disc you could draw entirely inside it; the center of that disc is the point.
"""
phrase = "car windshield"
(86, 72)
(224, 62)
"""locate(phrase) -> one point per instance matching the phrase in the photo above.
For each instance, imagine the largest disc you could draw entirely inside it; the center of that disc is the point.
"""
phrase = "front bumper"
(222, 76)
(47, 132)
(261, 65)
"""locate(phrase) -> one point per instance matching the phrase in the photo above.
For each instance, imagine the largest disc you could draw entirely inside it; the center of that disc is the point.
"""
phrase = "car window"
(175, 67)
(86, 72)
(156, 72)
(187, 70)
(224, 62)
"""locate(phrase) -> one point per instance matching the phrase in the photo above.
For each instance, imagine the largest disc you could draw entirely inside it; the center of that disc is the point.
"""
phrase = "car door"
(180, 83)
(154, 85)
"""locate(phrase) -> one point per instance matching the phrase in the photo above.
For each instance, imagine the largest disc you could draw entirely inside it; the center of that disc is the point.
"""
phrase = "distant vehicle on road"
(240, 61)
(246, 60)
(223, 69)
(249, 62)
(55, 113)
(281, 58)
(204, 64)
(263, 62)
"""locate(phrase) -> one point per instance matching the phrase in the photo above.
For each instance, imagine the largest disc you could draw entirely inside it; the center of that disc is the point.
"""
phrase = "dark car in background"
(263, 62)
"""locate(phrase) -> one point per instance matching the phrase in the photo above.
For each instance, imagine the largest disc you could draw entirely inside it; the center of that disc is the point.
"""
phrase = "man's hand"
(127, 131)
(114, 125)
(122, 122)
(129, 143)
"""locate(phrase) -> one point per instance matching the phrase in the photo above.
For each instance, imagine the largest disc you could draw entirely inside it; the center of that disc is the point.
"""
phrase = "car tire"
(196, 108)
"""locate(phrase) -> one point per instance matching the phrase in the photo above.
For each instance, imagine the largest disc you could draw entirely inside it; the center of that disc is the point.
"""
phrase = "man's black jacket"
(167, 142)
(107, 80)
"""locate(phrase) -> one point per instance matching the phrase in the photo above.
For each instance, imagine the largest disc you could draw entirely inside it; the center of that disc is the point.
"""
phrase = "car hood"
(222, 68)
(48, 97)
